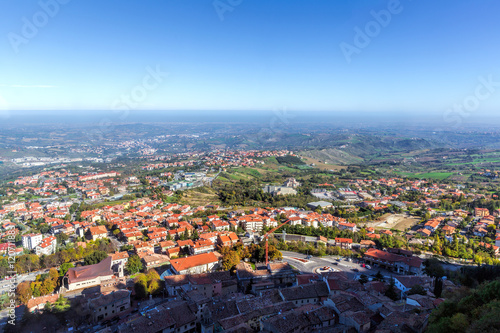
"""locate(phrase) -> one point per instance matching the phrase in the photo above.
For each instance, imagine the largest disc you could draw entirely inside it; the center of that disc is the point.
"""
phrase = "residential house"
(152, 260)
(97, 232)
(347, 226)
(480, 212)
(30, 241)
(345, 243)
(108, 306)
(47, 246)
(202, 246)
(118, 262)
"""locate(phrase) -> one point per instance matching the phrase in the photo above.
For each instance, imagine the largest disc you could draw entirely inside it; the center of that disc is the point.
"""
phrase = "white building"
(118, 262)
(47, 246)
(31, 241)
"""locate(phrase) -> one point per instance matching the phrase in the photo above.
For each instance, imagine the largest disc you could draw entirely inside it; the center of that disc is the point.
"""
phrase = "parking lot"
(352, 267)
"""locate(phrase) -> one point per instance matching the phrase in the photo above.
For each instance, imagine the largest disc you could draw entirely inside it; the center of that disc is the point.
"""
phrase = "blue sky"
(263, 55)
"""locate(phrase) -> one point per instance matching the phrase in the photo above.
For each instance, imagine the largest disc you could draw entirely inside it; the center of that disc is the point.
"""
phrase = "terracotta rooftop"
(119, 255)
(76, 274)
(103, 300)
(193, 261)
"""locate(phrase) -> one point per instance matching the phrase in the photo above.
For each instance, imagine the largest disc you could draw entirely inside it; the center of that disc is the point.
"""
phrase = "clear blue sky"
(264, 55)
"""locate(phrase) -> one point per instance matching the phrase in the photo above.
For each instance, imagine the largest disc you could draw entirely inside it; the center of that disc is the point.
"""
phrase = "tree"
(195, 235)
(391, 291)
(134, 264)
(61, 305)
(438, 287)
(141, 286)
(126, 247)
(379, 277)
(61, 238)
(64, 268)
(54, 274)
(363, 279)
(153, 282)
(417, 289)
(229, 260)
(95, 257)
(47, 287)
(24, 292)
(433, 267)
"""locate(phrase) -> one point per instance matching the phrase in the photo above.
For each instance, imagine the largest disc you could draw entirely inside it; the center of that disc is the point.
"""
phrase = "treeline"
(385, 241)
(317, 251)
(450, 202)
(461, 248)
(289, 159)
(44, 284)
(231, 256)
(31, 262)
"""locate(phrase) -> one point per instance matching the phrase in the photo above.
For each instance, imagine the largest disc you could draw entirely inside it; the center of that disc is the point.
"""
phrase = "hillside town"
(342, 264)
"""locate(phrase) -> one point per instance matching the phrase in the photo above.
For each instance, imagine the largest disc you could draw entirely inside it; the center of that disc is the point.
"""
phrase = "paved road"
(5, 284)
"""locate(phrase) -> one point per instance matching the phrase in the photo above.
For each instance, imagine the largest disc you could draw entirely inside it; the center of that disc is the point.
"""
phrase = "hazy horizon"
(374, 56)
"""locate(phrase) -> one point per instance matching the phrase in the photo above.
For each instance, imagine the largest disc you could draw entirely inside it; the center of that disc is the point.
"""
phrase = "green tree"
(95, 257)
(379, 276)
(134, 264)
(195, 235)
(433, 267)
(64, 268)
(417, 289)
(391, 291)
(61, 305)
(438, 286)
(363, 279)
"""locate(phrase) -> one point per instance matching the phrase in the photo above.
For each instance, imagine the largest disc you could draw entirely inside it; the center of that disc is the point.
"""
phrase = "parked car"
(355, 270)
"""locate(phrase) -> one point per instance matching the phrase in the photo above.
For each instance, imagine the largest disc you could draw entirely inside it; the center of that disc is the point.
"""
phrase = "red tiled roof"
(193, 261)
(76, 274)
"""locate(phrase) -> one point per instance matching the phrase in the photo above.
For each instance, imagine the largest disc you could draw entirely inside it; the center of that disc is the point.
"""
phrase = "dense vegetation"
(231, 256)
(31, 262)
(289, 159)
(469, 310)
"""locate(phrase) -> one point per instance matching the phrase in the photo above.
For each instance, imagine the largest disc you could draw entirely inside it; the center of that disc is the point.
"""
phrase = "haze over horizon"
(365, 56)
